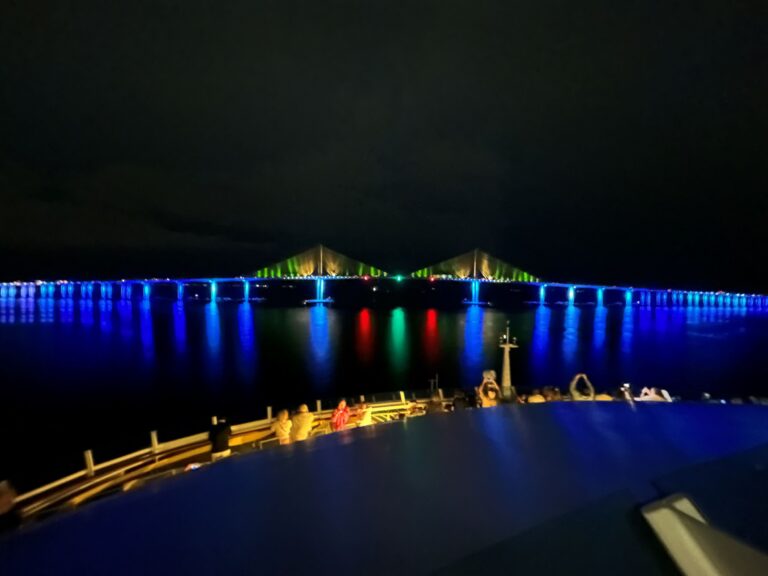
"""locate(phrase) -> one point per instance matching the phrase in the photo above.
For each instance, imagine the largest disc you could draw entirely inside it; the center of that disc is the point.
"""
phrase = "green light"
(399, 278)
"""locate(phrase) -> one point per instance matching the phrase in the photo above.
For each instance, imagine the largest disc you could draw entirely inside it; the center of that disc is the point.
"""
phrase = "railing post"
(319, 405)
(440, 393)
(153, 440)
(269, 413)
(89, 466)
(402, 397)
(362, 398)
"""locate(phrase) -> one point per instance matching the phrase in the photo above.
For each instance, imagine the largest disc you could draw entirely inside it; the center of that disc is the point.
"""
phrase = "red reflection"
(431, 337)
(364, 339)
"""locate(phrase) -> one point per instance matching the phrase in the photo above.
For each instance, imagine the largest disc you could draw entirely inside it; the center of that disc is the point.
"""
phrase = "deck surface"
(449, 493)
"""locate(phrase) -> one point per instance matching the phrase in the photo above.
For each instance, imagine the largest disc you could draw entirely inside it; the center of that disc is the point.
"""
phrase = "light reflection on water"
(238, 358)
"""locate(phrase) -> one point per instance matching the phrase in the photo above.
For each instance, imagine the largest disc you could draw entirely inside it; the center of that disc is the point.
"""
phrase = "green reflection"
(398, 341)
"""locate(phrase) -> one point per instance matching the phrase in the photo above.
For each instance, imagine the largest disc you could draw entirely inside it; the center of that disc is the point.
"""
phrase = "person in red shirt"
(340, 416)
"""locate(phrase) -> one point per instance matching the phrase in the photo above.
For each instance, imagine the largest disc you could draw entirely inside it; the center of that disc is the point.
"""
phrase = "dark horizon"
(595, 143)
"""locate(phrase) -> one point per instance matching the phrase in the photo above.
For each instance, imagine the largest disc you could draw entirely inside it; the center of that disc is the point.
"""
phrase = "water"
(83, 374)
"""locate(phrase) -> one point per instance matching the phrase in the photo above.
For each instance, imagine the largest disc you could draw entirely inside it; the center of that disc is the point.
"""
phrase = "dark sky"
(593, 140)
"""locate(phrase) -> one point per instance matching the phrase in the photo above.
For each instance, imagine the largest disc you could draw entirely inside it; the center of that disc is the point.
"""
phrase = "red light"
(431, 278)
(366, 277)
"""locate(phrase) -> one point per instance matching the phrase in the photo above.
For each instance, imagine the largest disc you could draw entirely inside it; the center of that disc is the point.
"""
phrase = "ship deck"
(544, 489)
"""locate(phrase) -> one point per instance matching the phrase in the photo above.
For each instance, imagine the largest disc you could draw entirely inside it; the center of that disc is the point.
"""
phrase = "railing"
(126, 471)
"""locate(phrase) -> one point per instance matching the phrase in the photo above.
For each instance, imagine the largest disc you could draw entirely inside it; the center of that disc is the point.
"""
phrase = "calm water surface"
(100, 375)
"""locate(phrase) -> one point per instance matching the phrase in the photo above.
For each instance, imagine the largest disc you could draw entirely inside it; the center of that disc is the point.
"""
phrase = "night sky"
(604, 141)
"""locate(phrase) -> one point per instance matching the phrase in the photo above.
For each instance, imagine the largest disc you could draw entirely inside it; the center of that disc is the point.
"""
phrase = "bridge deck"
(505, 490)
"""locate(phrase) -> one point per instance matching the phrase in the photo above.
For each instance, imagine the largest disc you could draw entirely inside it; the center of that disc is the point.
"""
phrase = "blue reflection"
(179, 328)
(179, 291)
(27, 309)
(125, 318)
(627, 329)
(147, 290)
(7, 311)
(86, 312)
(246, 290)
(213, 338)
(472, 357)
(247, 348)
(46, 306)
(146, 329)
(214, 291)
(600, 296)
(601, 317)
(571, 333)
(542, 294)
(320, 346)
(628, 297)
(105, 315)
(540, 337)
(66, 311)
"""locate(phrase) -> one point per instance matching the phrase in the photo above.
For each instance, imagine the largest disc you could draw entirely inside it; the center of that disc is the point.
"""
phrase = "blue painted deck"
(450, 493)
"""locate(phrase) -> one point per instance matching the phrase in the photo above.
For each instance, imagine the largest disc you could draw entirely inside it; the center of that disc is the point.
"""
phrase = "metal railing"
(125, 472)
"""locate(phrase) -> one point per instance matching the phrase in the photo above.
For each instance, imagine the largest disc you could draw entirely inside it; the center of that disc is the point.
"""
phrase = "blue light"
(472, 362)
(147, 290)
(247, 349)
(475, 291)
(246, 290)
(146, 329)
(571, 335)
(600, 295)
(540, 345)
(179, 328)
(571, 294)
(214, 291)
(319, 289)
(542, 294)
(628, 297)
(320, 349)
(179, 291)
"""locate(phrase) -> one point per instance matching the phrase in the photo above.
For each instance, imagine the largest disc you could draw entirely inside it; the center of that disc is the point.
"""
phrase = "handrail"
(100, 477)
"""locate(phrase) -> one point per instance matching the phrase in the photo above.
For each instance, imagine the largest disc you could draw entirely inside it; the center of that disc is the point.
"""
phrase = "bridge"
(324, 266)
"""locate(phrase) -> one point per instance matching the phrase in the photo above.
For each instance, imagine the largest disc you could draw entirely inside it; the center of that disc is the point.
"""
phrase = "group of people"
(288, 429)
(488, 393)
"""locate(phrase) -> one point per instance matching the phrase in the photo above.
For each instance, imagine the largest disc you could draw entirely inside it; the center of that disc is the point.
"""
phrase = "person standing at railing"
(302, 423)
(340, 416)
(282, 427)
(576, 394)
(364, 415)
(459, 400)
(219, 436)
(489, 393)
